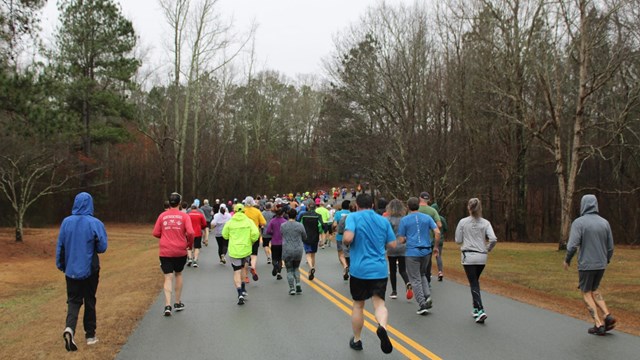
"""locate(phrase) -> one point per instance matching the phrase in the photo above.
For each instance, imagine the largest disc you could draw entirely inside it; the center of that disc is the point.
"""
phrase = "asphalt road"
(316, 325)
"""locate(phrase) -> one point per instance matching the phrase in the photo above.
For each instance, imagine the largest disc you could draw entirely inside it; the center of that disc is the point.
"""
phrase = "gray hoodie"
(592, 234)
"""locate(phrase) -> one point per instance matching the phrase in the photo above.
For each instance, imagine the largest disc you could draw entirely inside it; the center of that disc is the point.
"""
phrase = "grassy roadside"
(33, 299)
(533, 273)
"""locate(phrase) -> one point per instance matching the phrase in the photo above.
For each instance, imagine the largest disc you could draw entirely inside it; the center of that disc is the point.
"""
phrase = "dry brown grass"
(533, 273)
(33, 293)
(33, 299)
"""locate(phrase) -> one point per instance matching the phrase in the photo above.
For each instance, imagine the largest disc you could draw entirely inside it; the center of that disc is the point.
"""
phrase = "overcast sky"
(292, 36)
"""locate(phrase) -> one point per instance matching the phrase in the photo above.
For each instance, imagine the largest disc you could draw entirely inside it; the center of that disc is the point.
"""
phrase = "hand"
(436, 252)
(565, 265)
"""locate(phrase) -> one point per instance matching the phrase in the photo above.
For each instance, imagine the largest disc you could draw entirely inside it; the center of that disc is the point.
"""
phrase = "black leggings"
(473, 275)
(222, 245)
(400, 267)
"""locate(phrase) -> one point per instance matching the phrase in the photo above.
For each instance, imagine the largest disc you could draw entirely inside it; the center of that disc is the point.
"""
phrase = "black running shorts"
(197, 242)
(363, 289)
(169, 265)
(589, 280)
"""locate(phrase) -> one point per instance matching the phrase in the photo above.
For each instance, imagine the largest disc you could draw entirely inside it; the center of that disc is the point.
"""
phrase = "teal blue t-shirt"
(336, 218)
(416, 227)
(371, 232)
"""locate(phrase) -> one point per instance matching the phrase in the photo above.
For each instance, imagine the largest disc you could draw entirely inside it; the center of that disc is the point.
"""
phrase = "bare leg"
(311, 260)
(168, 285)
(592, 307)
(196, 252)
(357, 319)
(597, 296)
(178, 286)
(380, 311)
(238, 276)
(342, 260)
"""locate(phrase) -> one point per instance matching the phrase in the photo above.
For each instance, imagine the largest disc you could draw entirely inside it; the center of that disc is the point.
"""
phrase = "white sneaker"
(69, 343)
(92, 341)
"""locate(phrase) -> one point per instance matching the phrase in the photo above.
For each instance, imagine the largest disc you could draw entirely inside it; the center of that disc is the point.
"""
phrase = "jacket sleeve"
(101, 237)
(225, 231)
(459, 237)
(269, 229)
(575, 240)
(255, 232)
(609, 244)
(60, 261)
(203, 222)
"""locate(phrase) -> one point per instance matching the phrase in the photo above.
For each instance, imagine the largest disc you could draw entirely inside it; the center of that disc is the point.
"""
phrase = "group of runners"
(403, 236)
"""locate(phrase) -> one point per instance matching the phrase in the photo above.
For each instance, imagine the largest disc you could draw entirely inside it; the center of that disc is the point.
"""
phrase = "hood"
(436, 207)
(83, 205)
(588, 205)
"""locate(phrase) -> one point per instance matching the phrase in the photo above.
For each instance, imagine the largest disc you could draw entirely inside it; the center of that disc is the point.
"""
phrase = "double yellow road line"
(412, 350)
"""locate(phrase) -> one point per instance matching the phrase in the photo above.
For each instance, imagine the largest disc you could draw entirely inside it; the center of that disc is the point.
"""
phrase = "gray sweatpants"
(417, 270)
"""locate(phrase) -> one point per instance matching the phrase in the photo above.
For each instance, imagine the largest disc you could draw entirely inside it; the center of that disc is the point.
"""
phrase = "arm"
(225, 232)
(255, 232)
(609, 244)
(157, 229)
(459, 238)
(491, 236)
(436, 234)
(575, 239)
(347, 237)
(188, 230)
(101, 237)
(60, 261)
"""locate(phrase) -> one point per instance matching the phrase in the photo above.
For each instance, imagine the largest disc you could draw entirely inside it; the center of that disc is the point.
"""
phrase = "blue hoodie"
(81, 238)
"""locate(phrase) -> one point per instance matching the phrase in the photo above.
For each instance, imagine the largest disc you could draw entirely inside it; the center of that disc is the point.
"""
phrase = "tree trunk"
(19, 225)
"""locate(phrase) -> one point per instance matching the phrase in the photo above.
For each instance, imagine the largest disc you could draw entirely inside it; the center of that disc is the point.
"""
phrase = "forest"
(527, 105)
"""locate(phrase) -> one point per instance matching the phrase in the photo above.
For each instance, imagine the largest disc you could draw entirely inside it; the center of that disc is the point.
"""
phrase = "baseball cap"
(174, 199)
(425, 195)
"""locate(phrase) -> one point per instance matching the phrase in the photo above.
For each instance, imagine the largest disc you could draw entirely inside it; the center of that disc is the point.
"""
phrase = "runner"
(443, 233)
(268, 214)
(217, 223)
(395, 210)
(208, 215)
(174, 229)
(312, 223)
(368, 234)
(324, 215)
(344, 210)
(293, 236)
(198, 222)
(254, 214)
(273, 229)
(242, 233)
(592, 234)
(425, 198)
(82, 237)
(472, 233)
(414, 231)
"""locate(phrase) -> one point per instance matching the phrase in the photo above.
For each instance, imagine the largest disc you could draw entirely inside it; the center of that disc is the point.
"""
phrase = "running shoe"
(195, 263)
(223, 260)
(69, 343)
(92, 340)
(474, 313)
(178, 306)
(422, 310)
(254, 274)
(345, 273)
(482, 316)
(312, 273)
(609, 322)
(274, 271)
(189, 262)
(292, 291)
(279, 277)
(245, 294)
(246, 280)
(409, 292)
(355, 345)
(298, 290)
(394, 295)
(240, 300)
(268, 260)
(385, 342)
(440, 275)
(597, 330)
(429, 303)
(167, 310)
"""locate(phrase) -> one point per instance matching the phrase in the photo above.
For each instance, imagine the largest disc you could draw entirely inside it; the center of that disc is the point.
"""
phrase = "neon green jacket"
(241, 233)
(324, 213)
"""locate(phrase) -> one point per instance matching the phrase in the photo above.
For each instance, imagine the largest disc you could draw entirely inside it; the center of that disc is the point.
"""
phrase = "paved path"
(316, 325)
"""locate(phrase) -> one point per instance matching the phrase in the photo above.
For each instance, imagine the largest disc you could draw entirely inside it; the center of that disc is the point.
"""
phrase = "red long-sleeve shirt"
(175, 231)
(198, 222)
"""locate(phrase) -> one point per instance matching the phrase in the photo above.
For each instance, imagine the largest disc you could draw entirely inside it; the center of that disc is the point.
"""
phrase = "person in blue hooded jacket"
(82, 237)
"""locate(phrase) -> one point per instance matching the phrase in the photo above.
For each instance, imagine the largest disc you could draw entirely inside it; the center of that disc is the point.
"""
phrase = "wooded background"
(527, 105)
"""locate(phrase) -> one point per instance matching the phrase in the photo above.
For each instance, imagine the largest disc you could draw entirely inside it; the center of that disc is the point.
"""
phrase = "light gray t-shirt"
(473, 234)
(293, 234)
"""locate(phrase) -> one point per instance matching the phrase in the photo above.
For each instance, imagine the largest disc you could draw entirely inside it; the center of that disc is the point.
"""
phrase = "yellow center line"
(340, 300)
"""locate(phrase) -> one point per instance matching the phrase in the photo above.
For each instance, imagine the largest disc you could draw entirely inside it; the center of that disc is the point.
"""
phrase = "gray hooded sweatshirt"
(592, 234)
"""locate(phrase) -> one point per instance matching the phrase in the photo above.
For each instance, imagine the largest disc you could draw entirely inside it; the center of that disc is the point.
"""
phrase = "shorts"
(363, 289)
(339, 245)
(310, 249)
(255, 247)
(327, 228)
(589, 280)
(238, 264)
(197, 242)
(265, 242)
(169, 265)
